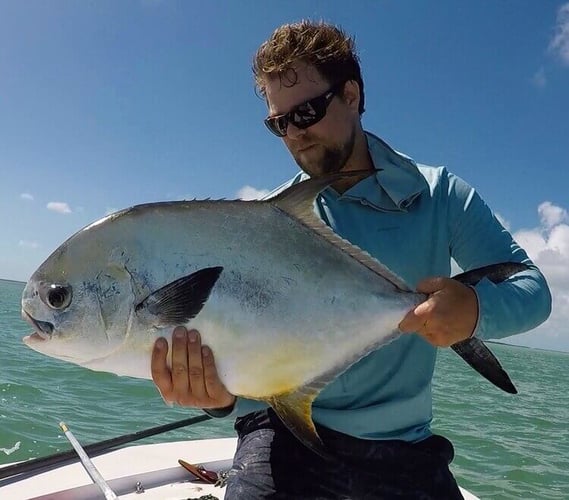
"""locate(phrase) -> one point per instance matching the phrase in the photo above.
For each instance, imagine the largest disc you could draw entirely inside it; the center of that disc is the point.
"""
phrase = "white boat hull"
(154, 467)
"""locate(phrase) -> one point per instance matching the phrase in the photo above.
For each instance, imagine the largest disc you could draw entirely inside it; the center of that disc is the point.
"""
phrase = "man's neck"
(360, 160)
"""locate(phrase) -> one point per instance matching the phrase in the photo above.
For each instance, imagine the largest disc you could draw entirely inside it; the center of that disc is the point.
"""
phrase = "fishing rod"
(36, 465)
(89, 466)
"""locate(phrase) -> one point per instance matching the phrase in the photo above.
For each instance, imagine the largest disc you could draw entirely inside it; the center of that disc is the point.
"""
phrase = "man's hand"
(449, 314)
(193, 379)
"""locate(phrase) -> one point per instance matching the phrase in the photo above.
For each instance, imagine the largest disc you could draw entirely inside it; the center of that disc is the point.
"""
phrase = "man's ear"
(352, 94)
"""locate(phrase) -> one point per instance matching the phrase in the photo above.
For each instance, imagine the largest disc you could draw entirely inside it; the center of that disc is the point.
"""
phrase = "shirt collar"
(395, 186)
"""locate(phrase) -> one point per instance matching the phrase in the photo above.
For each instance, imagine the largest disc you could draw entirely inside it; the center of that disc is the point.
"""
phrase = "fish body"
(284, 303)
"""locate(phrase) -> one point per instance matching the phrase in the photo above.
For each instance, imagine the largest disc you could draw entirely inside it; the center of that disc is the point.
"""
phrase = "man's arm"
(453, 311)
(515, 305)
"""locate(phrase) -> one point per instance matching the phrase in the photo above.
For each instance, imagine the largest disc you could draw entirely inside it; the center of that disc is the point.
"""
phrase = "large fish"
(284, 303)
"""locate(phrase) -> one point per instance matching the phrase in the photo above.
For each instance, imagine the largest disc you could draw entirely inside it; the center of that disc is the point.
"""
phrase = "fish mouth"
(44, 329)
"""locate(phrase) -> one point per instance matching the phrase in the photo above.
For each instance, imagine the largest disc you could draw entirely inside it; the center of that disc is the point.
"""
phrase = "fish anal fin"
(178, 302)
(295, 410)
(479, 357)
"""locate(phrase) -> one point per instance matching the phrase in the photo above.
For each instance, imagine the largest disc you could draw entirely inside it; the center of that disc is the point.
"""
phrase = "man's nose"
(294, 132)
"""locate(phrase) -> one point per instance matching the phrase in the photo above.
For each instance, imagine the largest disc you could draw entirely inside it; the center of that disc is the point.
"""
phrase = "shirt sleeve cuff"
(221, 412)
(479, 313)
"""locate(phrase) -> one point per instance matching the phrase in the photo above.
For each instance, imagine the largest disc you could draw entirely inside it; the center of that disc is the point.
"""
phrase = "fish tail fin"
(494, 272)
(479, 357)
(473, 350)
(295, 410)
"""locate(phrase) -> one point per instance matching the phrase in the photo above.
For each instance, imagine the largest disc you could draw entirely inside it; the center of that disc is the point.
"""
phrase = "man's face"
(326, 146)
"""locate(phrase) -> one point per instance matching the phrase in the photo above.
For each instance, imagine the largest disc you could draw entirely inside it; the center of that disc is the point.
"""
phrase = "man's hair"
(323, 46)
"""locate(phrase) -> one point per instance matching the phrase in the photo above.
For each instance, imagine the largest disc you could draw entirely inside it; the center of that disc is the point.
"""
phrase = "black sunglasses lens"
(303, 121)
(303, 116)
(309, 113)
(277, 125)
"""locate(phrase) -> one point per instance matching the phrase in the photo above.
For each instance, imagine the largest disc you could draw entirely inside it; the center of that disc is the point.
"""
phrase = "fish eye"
(58, 296)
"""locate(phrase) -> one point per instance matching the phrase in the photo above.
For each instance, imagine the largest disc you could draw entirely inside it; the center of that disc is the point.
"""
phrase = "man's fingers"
(195, 366)
(180, 379)
(159, 367)
(431, 285)
(211, 379)
(415, 320)
(214, 387)
(192, 379)
(407, 324)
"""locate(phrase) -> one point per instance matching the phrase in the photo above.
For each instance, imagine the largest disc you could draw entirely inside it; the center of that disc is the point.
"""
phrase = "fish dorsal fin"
(298, 199)
(295, 410)
(298, 202)
(178, 302)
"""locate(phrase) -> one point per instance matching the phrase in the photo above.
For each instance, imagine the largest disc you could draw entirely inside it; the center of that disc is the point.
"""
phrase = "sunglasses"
(304, 115)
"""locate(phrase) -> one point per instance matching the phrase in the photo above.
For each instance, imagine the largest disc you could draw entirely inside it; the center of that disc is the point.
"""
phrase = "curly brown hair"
(324, 46)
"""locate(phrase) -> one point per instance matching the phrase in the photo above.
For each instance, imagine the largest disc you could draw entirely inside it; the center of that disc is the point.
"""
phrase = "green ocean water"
(506, 446)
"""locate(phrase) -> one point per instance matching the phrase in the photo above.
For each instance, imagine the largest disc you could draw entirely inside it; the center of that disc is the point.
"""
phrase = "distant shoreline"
(13, 281)
(523, 346)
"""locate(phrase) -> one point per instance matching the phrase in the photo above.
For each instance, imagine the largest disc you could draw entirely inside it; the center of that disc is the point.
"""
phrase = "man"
(375, 417)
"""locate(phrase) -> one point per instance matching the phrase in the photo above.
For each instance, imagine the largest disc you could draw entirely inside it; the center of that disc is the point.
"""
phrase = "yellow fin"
(295, 410)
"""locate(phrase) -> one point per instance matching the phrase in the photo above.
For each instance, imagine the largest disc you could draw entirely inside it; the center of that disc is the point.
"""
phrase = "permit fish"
(285, 304)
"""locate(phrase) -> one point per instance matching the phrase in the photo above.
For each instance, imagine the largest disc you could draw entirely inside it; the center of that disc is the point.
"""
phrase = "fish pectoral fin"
(295, 411)
(178, 302)
(479, 357)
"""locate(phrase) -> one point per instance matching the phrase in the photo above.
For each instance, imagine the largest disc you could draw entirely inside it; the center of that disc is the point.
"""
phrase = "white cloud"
(548, 247)
(560, 41)
(551, 215)
(251, 193)
(59, 207)
(539, 79)
(27, 196)
(28, 244)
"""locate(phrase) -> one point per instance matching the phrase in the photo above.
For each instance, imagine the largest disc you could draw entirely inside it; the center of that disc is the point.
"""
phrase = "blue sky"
(107, 104)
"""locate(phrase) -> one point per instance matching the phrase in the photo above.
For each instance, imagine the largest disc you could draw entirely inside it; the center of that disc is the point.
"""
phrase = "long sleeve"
(514, 306)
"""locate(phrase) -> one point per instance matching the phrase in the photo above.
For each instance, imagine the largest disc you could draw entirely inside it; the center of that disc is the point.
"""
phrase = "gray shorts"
(271, 463)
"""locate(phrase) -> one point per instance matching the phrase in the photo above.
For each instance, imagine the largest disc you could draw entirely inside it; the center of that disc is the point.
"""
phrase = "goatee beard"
(333, 160)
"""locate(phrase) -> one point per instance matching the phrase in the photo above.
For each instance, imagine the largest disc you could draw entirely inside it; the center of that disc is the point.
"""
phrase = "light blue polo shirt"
(414, 219)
